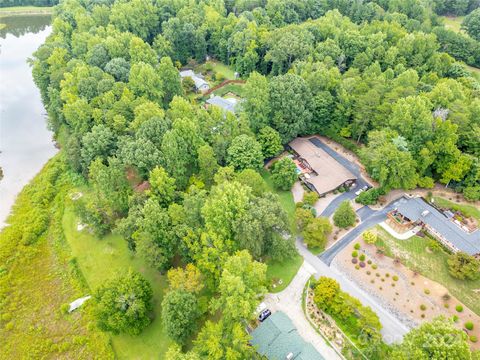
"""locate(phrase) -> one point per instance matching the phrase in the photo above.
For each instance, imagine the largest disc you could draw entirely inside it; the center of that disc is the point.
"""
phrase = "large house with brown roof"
(319, 171)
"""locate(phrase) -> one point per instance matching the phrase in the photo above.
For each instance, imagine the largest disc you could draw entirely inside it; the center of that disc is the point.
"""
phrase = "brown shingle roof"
(331, 174)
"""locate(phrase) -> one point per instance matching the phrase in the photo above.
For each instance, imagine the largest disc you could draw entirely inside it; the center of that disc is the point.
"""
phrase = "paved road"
(370, 218)
(290, 302)
(352, 167)
(393, 329)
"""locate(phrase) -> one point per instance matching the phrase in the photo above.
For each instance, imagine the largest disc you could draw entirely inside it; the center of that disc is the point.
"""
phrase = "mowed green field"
(431, 265)
(453, 23)
(25, 10)
(103, 259)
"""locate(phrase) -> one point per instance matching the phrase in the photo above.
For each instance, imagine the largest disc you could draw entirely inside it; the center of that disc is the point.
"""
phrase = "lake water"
(25, 142)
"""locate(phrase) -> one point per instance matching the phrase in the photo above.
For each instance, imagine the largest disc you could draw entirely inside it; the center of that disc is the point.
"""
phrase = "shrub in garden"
(423, 316)
(434, 246)
(310, 198)
(459, 308)
(354, 253)
(354, 260)
(395, 278)
(446, 305)
(369, 272)
(357, 267)
(455, 318)
(469, 325)
(370, 197)
(362, 264)
(362, 257)
(370, 237)
(374, 267)
(423, 307)
(369, 262)
(426, 291)
(356, 246)
(387, 275)
(473, 338)
(344, 216)
(446, 297)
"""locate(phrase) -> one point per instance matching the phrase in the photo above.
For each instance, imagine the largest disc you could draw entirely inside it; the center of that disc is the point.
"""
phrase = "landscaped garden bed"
(394, 272)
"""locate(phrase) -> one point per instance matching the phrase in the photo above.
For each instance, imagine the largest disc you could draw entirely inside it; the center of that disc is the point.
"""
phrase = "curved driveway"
(393, 329)
(369, 219)
(353, 168)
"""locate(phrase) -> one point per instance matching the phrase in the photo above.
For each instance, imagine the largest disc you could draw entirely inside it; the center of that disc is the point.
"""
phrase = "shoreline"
(25, 10)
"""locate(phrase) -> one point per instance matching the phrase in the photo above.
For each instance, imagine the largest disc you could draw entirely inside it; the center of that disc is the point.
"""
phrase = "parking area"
(289, 301)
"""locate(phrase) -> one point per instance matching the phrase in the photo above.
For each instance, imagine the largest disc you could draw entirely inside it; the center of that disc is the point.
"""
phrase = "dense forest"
(7, 3)
(182, 184)
(374, 76)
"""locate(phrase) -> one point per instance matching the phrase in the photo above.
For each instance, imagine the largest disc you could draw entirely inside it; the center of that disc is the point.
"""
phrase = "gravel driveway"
(290, 302)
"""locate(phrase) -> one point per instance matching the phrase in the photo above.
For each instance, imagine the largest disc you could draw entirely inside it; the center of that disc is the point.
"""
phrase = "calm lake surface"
(25, 142)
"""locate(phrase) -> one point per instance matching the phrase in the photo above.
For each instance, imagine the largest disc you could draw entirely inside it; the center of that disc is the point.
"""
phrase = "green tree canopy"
(123, 305)
(245, 153)
(284, 173)
(344, 216)
(436, 340)
(179, 314)
(471, 24)
(270, 141)
(463, 266)
(316, 232)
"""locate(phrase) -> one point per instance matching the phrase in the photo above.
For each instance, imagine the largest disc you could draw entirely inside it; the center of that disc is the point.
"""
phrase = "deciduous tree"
(344, 216)
(123, 305)
(284, 173)
(179, 314)
(435, 340)
(245, 153)
(270, 141)
(463, 266)
(316, 232)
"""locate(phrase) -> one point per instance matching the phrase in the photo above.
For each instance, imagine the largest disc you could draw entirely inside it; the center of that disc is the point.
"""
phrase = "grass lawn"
(475, 71)
(223, 69)
(453, 22)
(467, 210)
(25, 10)
(431, 265)
(236, 89)
(286, 198)
(283, 270)
(102, 259)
